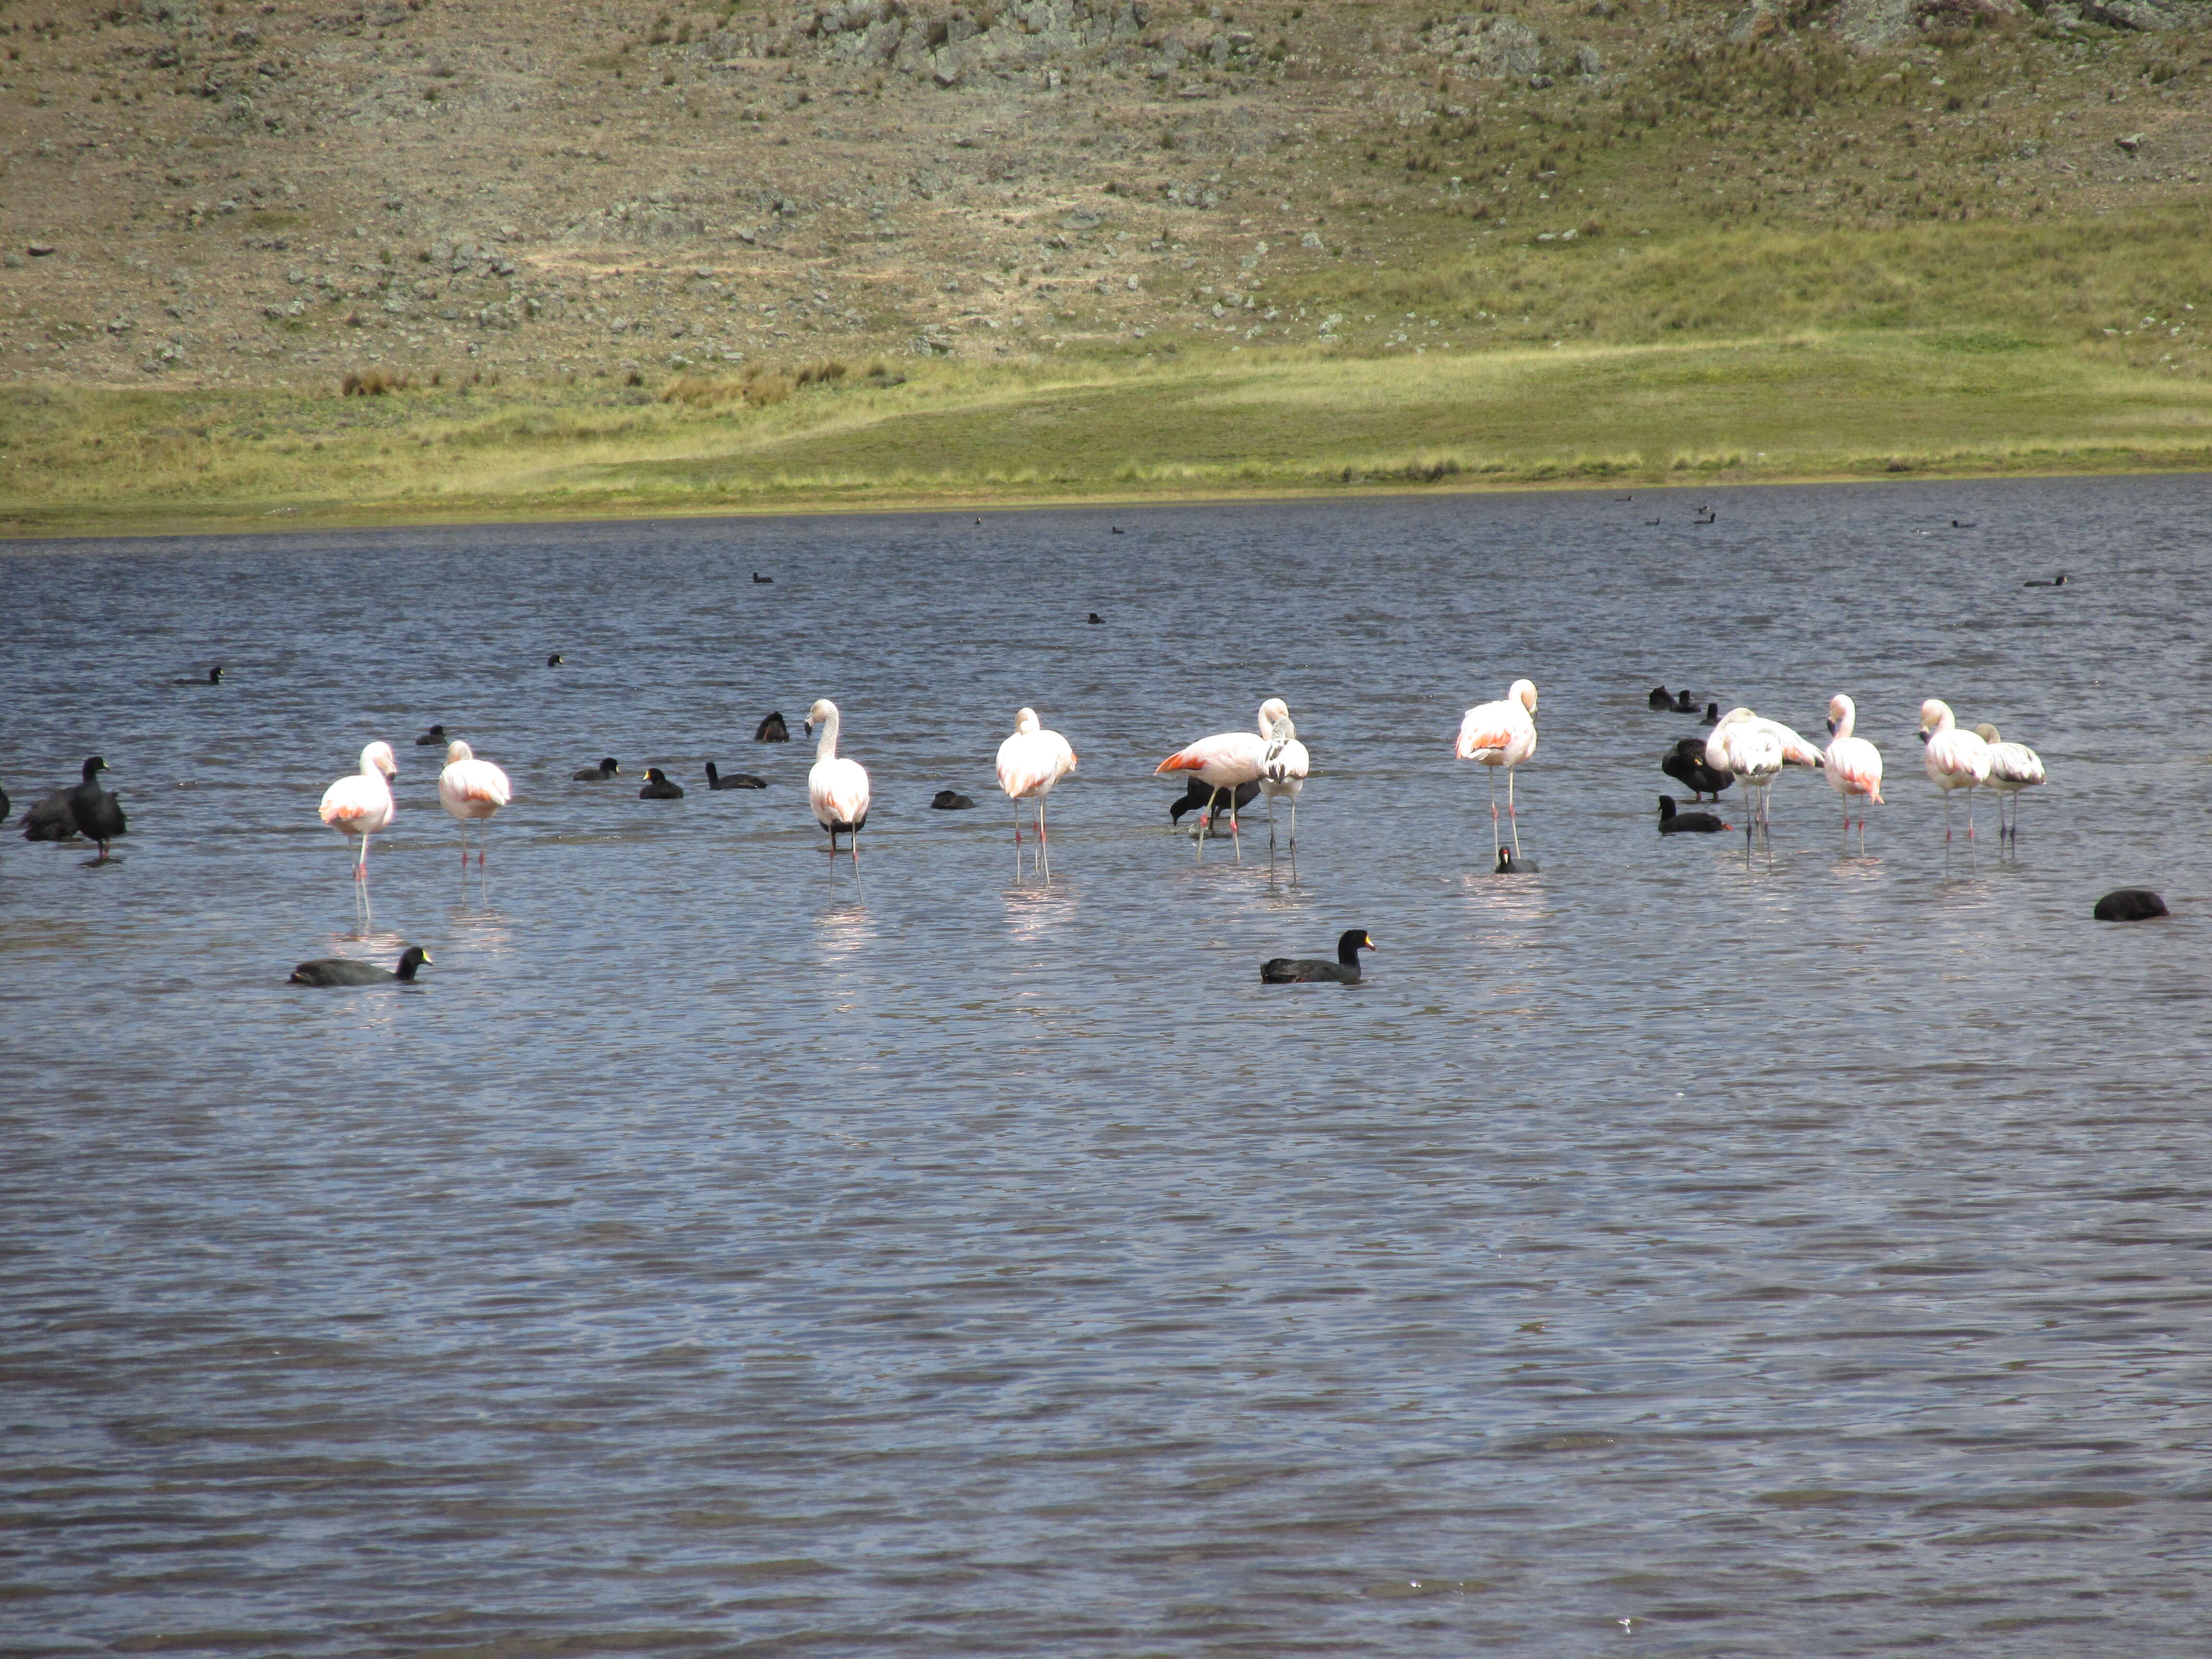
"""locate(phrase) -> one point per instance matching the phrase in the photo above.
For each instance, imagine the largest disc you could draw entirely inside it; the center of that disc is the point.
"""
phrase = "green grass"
(1945, 349)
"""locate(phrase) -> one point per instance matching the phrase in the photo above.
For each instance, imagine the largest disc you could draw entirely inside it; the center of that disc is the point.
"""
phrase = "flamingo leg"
(1493, 813)
(1512, 812)
(1236, 833)
(1271, 827)
(1044, 849)
(1294, 826)
(1970, 813)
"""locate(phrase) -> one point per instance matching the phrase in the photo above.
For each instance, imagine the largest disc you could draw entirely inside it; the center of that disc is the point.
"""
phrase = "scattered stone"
(2130, 905)
(2132, 142)
(39, 250)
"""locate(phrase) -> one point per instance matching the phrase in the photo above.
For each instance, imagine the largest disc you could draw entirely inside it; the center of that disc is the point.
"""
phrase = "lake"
(718, 1252)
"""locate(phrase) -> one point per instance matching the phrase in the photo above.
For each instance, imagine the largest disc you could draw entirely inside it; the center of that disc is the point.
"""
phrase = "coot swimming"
(735, 781)
(659, 786)
(343, 970)
(1309, 970)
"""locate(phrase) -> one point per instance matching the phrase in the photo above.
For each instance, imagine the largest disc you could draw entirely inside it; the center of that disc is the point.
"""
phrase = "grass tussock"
(375, 383)
(760, 387)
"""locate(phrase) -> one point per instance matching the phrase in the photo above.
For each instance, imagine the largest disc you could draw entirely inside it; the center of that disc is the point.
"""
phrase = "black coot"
(735, 781)
(435, 734)
(1684, 703)
(1309, 970)
(1687, 764)
(1196, 796)
(772, 729)
(1712, 713)
(96, 813)
(1672, 822)
(2130, 905)
(3, 806)
(214, 678)
(51, 819)
(342, 970)
(1097, 621)
(607, 769)
(1661, 698)
(1510, 863)
(555, 660)
(2059, 581)
(763, 580)
(949, 800)
(659, 786)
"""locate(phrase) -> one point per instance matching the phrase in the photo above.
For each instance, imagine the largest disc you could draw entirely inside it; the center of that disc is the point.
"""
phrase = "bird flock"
(1223, 773)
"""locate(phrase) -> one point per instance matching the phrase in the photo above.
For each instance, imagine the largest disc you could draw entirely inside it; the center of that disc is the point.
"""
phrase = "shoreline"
(81, 525)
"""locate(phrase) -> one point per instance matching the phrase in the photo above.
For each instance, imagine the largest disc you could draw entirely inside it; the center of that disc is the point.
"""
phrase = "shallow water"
(1803, 1255)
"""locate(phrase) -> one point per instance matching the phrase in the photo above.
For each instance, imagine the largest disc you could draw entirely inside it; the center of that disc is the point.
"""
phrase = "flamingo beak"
(1925, 734)
(1832, 728)
(807, 726)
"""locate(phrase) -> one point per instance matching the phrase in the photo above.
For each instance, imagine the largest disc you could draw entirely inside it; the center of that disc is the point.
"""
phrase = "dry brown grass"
(375, 383)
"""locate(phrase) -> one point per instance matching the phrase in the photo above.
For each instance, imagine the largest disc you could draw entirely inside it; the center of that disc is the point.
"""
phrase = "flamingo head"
(379, 756)
(822, 714)
(1987, 732)
(1271, 711)
(1841, 712)
(457, 751)
(1934, 716)
(1524, 693)
(1026, 722)
(1286, 729)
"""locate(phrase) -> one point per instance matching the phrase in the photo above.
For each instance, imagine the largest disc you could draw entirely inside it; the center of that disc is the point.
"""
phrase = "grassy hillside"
(1090, 247)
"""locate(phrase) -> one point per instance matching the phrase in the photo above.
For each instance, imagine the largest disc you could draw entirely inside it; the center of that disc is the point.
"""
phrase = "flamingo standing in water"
(1283, 767)
(1751, 751)
(1029, 762)
(837, 789)
(1853, 764)
(471, 790)
(1956, 759)
(1228, 760)
(1501, 734)
(360, 805)
(2013, 767)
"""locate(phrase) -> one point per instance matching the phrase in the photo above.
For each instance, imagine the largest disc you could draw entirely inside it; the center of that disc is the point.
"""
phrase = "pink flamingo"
(1853, 764)
(837, 789)
(1029, 762)
(1227, 760)
(360, 805)
(1956, 759)
(471, 790)
(1501, 734)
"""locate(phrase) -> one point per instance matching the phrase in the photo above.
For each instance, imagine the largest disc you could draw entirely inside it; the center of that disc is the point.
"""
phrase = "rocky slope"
(212, 193)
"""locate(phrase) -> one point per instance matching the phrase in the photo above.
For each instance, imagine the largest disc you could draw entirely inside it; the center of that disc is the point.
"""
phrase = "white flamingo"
(1853, 764)
(1498, 734)
(1225, 761)
(471, 790)
(837, 789)
(1029, 762)
(1956, 759)
(359, 804)
(1283, 767)
(2013, 767)
(1750, 749)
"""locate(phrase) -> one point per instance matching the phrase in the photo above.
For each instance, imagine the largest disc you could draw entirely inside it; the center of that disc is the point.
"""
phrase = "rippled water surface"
(1661, 1252)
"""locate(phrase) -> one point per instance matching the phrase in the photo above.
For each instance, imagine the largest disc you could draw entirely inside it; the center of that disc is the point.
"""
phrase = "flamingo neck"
(825, 746)
(1844, 726)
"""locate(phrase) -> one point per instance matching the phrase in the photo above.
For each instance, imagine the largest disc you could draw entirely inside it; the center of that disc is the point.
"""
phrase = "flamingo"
(2013, 767)
(1029, 762)
(1283, 766)
(360, 805)
(837, 789)
(471, 789)
(1750, 750)
(1501, 734)
(1853, 764)
(1956, 759)
(1228, 760)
